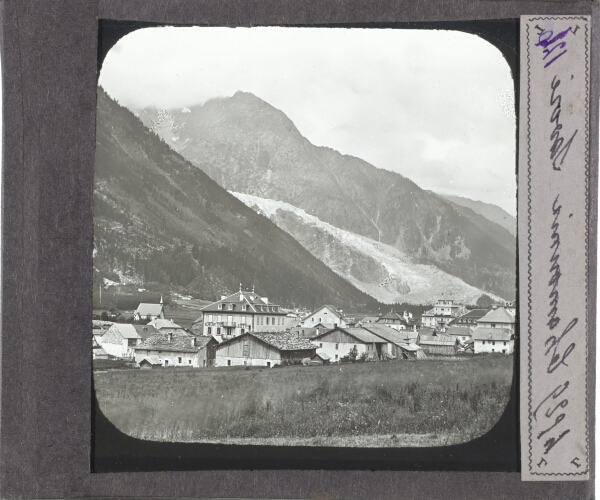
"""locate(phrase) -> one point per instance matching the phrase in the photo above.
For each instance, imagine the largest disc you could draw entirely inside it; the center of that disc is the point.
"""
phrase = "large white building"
(497, 318)
(443, 313)
(244, 312)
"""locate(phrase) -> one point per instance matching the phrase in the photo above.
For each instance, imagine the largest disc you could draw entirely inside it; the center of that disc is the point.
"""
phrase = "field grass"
(407, 403)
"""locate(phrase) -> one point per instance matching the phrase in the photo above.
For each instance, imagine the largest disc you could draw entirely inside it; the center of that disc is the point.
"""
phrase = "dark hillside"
(158, 219)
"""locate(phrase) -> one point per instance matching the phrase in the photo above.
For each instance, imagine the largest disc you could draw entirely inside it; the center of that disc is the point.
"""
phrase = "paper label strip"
(553, 233)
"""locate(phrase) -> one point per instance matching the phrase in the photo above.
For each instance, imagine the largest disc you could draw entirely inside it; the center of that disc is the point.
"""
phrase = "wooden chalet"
(263, 349)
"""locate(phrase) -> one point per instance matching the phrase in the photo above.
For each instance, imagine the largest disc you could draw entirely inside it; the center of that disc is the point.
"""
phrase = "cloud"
(423, 103)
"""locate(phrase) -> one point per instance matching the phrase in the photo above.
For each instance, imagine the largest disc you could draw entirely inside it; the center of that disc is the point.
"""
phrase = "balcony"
(228, 325)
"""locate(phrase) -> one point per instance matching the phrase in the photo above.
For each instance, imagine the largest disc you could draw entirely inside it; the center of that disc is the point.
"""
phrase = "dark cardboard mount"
(50, 54)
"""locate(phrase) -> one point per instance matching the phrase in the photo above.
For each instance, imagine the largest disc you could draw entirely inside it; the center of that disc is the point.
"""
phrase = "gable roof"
(387, 333)
(330, 307)
(281, 341)
(254, 302)
(323, 355)
(486, 333)
(125, 330)
(359, 333)
(149, 309)
(499, 315)
(153, 360)
(144, 331)
(160, 323)
(437, 340)
(458, 330)
(180, 342)
(474, 314)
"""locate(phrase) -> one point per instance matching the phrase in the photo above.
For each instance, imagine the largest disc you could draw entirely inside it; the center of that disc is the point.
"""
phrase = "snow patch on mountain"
(350, 254)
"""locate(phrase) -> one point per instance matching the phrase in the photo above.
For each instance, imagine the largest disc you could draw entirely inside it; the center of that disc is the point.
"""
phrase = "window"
(209, 318)
(336, 357)
(312, 319)
(244, 307)
(228, 362)
(203, 363)
(179, 359)
(218, 331)
(242, 331)
(268, 364)
(220, 306)
(319, 320)
(209, 330)
(505, 342)
(189, 361)
(267, 320)
(321, 344)
(493, 325)
(166, 362)
(230, 307)
(336, 347)
(493, 342)
(272, 321)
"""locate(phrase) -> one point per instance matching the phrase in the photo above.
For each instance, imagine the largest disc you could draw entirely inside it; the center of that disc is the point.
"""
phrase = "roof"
(330, 307)
(149, 309)
(409, 347)
(499, 315)
(285, 341)
(426, 330)
(254, 302)
(160, 323)
(359, 333)
(437, 340)
(387, 333)
(369, 319)
(474, 313)
(281, 341)
(126, 330)
(486, 333)
(324, 356)
(144, 331)
(458, 330)
(203, 340)
(153, 360)
(180, 342)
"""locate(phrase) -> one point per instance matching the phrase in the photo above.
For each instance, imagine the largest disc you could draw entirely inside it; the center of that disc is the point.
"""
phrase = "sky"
(435, 106)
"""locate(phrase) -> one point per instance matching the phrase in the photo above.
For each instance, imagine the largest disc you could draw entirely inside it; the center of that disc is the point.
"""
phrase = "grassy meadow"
(408, 403)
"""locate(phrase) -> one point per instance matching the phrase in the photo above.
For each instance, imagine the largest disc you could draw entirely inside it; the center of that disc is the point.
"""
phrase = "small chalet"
(320, 358)
(120, 339)
(263, 349)
(399, 345)
(497, 318)
(338, 343)
(149, 312)
(150, 363)
(397, 321)
(244, 312)
(178, 349)
(486, 339)
(438, 344)
(328, 316)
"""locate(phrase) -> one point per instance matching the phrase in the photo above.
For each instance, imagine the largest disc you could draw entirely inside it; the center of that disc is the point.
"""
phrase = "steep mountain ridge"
(491, 212)
(157, 218)
(248, 146)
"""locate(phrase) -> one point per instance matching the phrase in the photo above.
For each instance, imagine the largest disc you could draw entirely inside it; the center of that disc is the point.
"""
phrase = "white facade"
(499, 346)
(335, 351)
(169, 358)
(235, 361)
(325, 315)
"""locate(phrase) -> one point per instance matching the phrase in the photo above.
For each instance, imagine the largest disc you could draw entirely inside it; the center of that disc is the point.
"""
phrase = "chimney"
(170, 337)
(193, 341)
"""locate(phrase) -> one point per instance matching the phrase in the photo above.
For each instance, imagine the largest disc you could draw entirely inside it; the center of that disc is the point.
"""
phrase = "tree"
(350, 357)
